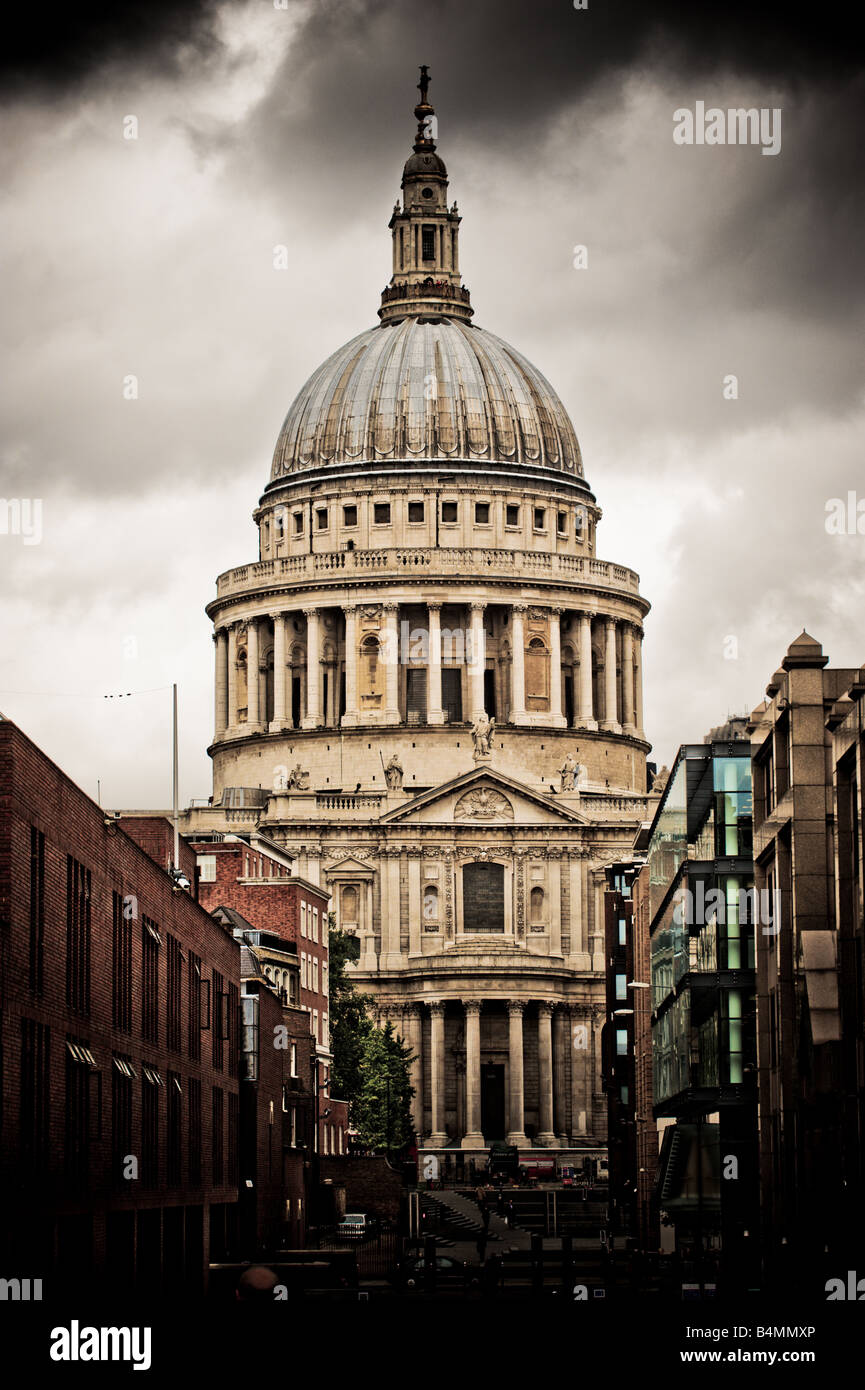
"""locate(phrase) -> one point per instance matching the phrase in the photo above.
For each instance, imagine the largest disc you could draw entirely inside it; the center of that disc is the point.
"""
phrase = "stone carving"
(483, 803)
(298, 779)
(570, 771)
(482, 733)
(660, 779)
(393, 773)
(369, 611)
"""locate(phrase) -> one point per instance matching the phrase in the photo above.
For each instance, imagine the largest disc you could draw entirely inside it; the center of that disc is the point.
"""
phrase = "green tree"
(350, 1022)
(381, 1112)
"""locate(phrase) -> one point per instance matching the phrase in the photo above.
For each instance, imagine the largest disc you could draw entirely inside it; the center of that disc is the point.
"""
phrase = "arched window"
(537, 675)
(349, 904)
(369, 652)
(536, 909)
(430, 903)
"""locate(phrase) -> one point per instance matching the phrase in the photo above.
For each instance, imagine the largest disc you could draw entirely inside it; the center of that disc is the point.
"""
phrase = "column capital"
(610, 620)
(434, 605)
(589, 613)
(437, 1007)
(472, 1006)
(276, 615)
(519, 608)
(390, 607)
(557, 609)
(478, 605)
(311, 612)
(546, 1007)
(349, 609)
(516, 1006)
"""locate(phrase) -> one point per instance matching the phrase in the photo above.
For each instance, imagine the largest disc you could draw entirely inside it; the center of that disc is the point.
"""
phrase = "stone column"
(434, 711)
(638, 681)
(478, 662)
(628, 724)
(412, 1034)
(233, 629)
(473, 1138)
(391, 956)
(278, 721)
(554, 869)
(516, 1110)
(391, 656)
(438, 1136)
(349, 719)
(545, 1134)
(518, 666)
(220, 638)
(557, 719)
(560, 1073)
(414, 902)
(610, 722)
(252, 674)
(585, 717)
(578, 935)
(312, 719)
(580, 1044)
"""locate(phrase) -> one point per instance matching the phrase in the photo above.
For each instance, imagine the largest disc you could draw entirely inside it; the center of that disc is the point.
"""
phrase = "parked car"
(411, 1272)
(356, 1225)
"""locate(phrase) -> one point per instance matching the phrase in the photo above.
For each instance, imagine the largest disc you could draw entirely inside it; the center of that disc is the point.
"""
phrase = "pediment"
(484, 797)
(348, 867)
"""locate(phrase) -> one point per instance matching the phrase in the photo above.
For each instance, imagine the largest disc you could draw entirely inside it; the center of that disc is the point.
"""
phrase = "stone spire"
(426, 277)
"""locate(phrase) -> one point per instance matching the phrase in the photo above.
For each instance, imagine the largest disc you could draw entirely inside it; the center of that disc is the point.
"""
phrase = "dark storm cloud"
(55, 45)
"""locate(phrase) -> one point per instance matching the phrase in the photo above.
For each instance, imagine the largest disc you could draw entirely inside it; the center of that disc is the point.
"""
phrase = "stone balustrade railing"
(446, 563)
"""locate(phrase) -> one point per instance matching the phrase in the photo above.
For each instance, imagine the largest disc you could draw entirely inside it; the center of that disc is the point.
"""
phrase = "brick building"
(119, 1014)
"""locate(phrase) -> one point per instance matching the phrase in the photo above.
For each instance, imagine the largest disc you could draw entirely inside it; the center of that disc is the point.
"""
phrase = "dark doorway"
(452, 694)
(490, 694)
(415, 695)
(569, 701)
(341, 695)
(493, 1100)
(483, 898)
(325, 693)
(295, 702)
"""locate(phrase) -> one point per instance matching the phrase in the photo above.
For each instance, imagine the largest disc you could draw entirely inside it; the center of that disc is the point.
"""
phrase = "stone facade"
(429, 692)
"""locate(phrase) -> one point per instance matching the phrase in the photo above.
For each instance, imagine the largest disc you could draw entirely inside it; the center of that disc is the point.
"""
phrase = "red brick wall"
(35, 793)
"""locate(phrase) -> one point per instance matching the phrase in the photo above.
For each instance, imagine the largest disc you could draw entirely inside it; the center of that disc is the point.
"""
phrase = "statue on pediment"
(393, 773)
(482, 735)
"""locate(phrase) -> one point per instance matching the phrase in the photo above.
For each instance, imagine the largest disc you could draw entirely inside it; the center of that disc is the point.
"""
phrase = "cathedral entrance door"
(493, 1100)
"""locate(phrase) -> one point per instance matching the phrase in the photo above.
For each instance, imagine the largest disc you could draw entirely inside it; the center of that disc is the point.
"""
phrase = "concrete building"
(806, 747)
(428, 692)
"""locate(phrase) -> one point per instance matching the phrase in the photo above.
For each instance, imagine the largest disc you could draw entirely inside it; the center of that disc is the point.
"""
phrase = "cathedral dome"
(418, 390)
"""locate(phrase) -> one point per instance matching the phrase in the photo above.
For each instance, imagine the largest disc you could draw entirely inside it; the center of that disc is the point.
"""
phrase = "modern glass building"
(703, 916)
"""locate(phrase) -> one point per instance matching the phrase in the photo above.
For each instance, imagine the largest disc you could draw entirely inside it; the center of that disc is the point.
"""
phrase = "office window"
(621, 986)
(621, 1042)
(315, 924)
(415, 513)
(193, 1115)
(624, 1094)
(540, 518)
(219, 1030)
(173, 1104)
(292, 1126)
(217, 1151)
(512, 515)
(314, 985)
(81, 1113)
(450, 513)
(37, 909)
(121, 964)
(151, 1085)
(194, 1019)
(174, 981)
(381, 513)
(482, 513)
(321, 518)
(324, 1033)
(293, 1061)
(77, 936)
(234, 1136)
(315, 1024)
(35, 1094)
(623, 931)
(123, 1074)
(232, 1024)
(349, 516)
(303, 969)
(150, 944)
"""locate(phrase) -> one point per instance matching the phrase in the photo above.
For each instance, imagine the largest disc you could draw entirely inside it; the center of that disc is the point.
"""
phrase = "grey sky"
(260, 127)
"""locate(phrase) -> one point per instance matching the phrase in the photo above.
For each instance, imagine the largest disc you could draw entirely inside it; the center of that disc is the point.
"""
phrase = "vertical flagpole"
(174, 781)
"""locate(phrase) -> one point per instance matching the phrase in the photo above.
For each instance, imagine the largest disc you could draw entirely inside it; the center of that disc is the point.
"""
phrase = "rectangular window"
(415, 513)
(123, 1074)
(303, 920)
(428, 243)
(303, 969)
(232, 1023)
(193, 1113)
(450, 513)
(217, 1150)
(315, 924)
(150, 943)
(234, 1136)
(77, 936)
(217, 1032)
(623, 931)
(151, 1085)
(579, 523)
(562, 523)
(193, 1034)
(621, 987)
(78, 1095)
(173, 1103)
(121, 963)
(482, 513)
(173, 990)
(207, 868)
(512, 516)
(621, 1042)
(293, 1062)
(37, 909)
(298, 523)
(321, 518)
(314, 985)
(35, 1092)
(315, 1024)
(324, 1036)
(349, 516)
(540, 519)
(381, 513)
